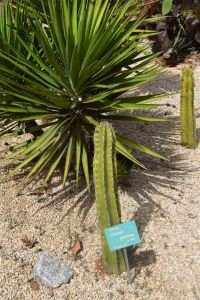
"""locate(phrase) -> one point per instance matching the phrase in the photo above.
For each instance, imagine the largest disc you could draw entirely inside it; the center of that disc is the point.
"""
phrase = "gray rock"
(51, 271)
(192, 24)
(168, 54)
(170, 57)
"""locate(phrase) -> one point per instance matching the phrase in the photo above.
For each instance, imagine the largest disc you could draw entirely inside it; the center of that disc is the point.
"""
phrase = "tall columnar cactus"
(188, 122)
(104, 166)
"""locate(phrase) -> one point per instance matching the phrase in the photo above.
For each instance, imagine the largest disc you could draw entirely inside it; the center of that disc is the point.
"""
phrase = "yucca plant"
(14, 21)
(107, 202)
(85, 55)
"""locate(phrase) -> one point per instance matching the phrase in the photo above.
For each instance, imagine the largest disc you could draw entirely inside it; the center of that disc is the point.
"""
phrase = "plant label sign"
(122, 236)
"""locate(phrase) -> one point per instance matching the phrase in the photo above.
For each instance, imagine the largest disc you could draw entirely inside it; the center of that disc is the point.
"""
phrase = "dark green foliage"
(123, 168)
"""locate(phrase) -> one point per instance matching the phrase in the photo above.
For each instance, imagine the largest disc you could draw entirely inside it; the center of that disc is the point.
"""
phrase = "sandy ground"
(164, 200)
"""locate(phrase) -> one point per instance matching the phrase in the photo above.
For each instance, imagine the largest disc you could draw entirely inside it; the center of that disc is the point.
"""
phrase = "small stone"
(49, 191)
(165, 245)
(40, 199)
(51, 271)
(38, 250)
(51, 293)
(192, 24)
(192, 216)
(121, 292)
(170, 56)
(111, 296)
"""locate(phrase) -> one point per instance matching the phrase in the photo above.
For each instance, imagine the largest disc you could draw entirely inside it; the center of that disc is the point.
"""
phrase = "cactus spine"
(104, 167)
(188, 122)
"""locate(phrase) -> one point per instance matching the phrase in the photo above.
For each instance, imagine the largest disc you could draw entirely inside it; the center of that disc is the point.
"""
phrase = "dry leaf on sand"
(34, 285)
(76, 248)
(99, 267)
(29, 243)
(49, 190)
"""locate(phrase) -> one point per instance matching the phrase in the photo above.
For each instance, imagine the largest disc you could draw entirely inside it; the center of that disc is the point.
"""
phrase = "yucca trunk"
(104, 166)
(188, 122)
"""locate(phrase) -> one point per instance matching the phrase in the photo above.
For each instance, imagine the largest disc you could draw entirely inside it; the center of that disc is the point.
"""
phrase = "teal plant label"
(122, 236)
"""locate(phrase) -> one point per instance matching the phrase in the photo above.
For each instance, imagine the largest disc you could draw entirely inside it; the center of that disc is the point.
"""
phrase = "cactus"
(104, 168)
(188, 122)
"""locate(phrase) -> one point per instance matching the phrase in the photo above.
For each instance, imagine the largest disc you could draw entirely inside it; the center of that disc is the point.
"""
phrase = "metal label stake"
(127, 266)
